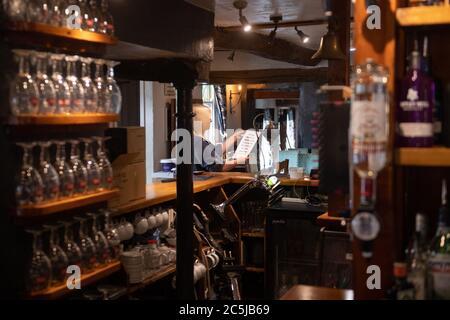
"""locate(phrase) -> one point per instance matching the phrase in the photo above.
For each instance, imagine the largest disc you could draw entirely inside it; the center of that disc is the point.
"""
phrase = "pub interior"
(224, 150)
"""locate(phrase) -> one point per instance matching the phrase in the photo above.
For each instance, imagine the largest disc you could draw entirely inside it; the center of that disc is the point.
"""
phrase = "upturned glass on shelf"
(90, 90)
(24, 93)
(29, 185)
(62, 90)
(75, 86)
(49, 175)
(47, 93)
(65, 172)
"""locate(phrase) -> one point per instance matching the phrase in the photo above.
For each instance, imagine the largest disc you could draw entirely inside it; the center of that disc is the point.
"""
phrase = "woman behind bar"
(207, 156)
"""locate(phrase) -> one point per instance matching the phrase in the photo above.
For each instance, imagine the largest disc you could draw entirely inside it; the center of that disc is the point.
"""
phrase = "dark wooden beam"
(268, 76)
(258, 44)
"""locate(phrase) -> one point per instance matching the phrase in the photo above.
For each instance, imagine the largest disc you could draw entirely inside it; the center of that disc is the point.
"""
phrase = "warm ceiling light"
(304, 38)
(240, 5)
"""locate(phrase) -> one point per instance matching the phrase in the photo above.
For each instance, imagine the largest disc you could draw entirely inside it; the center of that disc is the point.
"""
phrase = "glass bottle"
(106, 170)
(86, 21)
(56, 14)
(95, 15)
(369, 119)
(70, 247)
(113, 91)
(62, 89)
(439, 254)
(40, 269)
(92, 168)
(38, 11)
(65, 172)
(47, 94)
(100, 241)
(87, 247)
(29, 187)
(24, 94)
(100, 84)
(75, 86)
(48, 173)
(90, 91)
(415, 107)
(15, 10)
(417, 268)
(402, 289)
(106, 24)
(78, 168)
(57, 256)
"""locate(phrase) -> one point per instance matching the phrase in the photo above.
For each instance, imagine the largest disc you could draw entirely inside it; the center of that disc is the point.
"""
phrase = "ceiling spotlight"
(275, 19)
(273, 35)
(304, 38)
(240, 5)
(231, 56)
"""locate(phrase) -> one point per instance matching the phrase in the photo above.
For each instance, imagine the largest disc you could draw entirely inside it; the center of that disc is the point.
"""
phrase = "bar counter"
(159, 192)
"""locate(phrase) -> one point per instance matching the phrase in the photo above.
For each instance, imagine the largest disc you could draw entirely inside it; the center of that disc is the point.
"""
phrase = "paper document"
(246, 145)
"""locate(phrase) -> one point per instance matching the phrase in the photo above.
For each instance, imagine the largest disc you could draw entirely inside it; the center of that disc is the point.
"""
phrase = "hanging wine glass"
(47, 95)
(64, 170)
(40, 270)
(75, 86)
(113, 91)
(79, 170)
(57, 256)
(30, 187)
(106, 170)
(70, 247)
(24, 94)
(93, 170)
(90, 91)
(87, 247)
(100, 84)
(48, 173)
(62, 89)
(15, 10)
(100, 241)
(106, 24)
(112, 236)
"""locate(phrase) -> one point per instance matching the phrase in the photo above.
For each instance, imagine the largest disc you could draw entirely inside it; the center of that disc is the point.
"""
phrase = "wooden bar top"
(159, 192)
(302, 292)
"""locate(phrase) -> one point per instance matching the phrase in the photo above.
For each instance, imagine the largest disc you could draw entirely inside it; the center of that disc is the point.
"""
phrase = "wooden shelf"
(71, 119)
(423, 16)
(61, 32)
(249, 234)
(423, 157)
(158, 275)
(254, 269)
(57, 292)
(67, 204)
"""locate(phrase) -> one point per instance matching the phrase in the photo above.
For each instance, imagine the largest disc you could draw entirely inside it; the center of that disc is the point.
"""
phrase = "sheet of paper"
(246, 145)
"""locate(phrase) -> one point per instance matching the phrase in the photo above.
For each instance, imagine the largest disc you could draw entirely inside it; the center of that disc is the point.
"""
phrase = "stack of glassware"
(87, 15)
(88, 242)
(50, 84)
(64, 175)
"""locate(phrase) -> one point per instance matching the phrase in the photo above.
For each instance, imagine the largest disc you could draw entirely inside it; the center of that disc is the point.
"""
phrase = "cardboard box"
(128, 141)
(131, 180)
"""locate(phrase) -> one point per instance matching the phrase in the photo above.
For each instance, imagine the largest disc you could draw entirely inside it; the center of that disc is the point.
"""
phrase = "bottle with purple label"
(415, 108)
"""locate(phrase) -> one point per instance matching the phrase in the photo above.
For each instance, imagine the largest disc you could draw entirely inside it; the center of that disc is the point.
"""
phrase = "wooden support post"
(185, 196)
